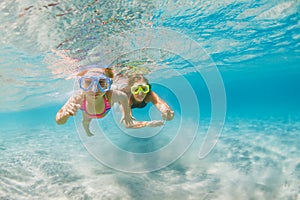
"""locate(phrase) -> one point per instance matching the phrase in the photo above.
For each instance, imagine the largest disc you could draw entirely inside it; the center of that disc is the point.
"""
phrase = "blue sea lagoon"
(229, 70)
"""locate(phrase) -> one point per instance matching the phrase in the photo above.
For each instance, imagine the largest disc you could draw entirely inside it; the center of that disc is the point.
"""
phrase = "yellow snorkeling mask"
(145, 88)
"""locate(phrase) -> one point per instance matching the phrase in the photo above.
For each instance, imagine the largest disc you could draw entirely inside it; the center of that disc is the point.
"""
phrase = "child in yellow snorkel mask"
(140, 94)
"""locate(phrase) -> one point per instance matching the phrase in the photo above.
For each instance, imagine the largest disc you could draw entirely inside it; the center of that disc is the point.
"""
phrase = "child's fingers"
(72, 108)
(168, 115)
(78, 106)
(133, 118)
(165, 116)
(128, 121)
(71, 112)
(74, 105)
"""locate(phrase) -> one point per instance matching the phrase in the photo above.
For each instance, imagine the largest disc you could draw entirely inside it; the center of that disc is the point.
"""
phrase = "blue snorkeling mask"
(102, 82)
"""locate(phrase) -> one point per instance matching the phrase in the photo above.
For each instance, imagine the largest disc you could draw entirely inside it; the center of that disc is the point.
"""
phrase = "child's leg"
(86, 124)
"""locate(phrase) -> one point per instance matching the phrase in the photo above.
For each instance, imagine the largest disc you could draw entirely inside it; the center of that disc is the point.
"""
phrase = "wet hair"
(137, 77)
(106, 71)
(109, 72)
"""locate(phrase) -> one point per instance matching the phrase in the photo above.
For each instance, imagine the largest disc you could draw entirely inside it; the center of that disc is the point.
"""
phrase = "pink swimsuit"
(101, 115)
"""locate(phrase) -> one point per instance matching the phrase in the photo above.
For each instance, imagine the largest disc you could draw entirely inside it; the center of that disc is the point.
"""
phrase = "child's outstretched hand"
(168, 115)
(71, 109)
(128, 120)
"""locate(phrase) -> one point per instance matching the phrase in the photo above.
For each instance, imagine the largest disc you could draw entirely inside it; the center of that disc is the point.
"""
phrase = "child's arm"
(86, 124)
(141, 124)
(162, 106)
(69, 109)
(120, 97)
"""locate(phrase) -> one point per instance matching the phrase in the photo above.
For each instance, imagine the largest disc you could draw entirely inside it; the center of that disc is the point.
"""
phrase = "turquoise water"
(229, 69)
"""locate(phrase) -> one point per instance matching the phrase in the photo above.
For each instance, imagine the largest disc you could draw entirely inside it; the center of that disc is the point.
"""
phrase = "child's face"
(140, 96)
(95, 85)
(94, 91)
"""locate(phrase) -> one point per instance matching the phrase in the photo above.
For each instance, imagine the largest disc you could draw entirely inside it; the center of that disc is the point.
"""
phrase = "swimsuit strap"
(106, 102)
(83, 104)
(101, 115)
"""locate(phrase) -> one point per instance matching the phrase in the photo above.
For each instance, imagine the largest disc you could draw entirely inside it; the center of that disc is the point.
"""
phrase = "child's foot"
(89, 134)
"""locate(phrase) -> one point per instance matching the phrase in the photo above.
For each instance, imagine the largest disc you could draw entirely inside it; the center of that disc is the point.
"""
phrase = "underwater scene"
(222, 77)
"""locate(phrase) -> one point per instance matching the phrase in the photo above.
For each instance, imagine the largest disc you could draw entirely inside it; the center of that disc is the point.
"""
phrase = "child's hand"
(128, 120)
(72, 108)
(155, 123)
(69, 109)
(168, 115)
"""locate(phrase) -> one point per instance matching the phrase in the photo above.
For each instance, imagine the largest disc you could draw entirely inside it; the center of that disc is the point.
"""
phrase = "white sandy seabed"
(253, 159)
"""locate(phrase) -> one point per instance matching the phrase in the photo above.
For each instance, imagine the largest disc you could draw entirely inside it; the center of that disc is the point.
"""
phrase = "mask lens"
(104, 84)
(85, 83)
(134, 89)
(145, 88)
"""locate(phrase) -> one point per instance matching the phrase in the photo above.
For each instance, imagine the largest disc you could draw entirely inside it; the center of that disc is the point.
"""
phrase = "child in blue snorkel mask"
(95, 100)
